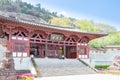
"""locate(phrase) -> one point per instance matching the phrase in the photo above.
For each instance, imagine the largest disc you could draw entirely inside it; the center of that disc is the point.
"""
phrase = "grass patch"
(22, 71)
(102, 66)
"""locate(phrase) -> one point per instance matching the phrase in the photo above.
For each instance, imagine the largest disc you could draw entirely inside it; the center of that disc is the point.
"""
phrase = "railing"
(52, 53)
(36, 40)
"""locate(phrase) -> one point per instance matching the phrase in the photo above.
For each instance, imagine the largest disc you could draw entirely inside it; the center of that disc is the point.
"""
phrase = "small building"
(24, 37)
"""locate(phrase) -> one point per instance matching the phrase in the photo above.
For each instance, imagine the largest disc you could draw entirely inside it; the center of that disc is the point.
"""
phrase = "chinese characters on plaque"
(56, 37)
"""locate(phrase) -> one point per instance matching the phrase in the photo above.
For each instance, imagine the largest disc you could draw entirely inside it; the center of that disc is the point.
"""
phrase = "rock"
(7, 70)
(115, 64)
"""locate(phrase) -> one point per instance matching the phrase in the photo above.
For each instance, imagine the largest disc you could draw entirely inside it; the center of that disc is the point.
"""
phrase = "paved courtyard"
(59, 67)
(83, 77)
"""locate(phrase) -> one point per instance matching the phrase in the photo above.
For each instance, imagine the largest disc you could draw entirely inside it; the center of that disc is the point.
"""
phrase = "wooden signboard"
(56, 37)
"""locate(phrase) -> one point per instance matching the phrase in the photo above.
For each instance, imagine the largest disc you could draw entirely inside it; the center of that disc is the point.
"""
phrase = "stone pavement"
(83, 77)
(59, 67)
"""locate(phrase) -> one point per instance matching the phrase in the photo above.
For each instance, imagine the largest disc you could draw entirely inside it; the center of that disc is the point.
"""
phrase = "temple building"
(24, 37)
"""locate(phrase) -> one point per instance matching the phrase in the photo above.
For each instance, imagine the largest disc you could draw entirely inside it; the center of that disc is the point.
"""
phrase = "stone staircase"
(62, 67)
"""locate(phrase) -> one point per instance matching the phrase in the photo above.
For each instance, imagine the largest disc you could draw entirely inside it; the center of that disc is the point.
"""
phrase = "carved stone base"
(7, 70)
(7, 76)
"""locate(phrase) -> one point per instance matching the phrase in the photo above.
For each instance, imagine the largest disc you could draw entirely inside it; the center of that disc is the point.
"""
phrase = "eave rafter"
(29, 27)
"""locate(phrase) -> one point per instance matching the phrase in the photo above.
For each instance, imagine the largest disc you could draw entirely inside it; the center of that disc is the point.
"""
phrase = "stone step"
(59, 67)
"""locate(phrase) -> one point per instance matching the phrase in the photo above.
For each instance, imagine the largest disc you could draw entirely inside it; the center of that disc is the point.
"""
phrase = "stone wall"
(101, 58)
(115, 64)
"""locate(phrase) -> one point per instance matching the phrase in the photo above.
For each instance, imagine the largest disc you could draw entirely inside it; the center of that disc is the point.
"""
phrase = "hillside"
(36, 14)
(18, 6)
(25, 11)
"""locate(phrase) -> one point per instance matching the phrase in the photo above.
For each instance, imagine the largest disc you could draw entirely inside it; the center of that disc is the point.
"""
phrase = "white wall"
(2, 50)
(101, 58)
(22, 63)
(104, 58)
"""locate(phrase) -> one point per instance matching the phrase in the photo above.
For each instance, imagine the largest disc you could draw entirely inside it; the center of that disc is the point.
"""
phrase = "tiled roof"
(72, 29)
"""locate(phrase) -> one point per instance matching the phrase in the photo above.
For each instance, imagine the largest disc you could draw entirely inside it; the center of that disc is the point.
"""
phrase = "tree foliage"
(5, 2)
(112, 39)
(66, 22)
(105, 27)
(86, 25)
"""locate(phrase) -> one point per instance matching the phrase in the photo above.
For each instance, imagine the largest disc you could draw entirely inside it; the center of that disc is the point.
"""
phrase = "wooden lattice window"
(19, 47)
(82, 51)
(72, 49)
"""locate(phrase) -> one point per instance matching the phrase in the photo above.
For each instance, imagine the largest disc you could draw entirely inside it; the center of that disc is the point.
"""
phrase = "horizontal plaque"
(56, 37)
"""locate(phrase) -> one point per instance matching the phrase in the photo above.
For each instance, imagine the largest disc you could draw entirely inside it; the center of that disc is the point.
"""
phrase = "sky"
(104, 11)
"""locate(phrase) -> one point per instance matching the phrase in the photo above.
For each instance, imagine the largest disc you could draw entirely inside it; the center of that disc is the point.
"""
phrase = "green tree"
(85, 25)
(112, 39)
(5, 2)
(66, 22)
(105, 27)
(38, 6)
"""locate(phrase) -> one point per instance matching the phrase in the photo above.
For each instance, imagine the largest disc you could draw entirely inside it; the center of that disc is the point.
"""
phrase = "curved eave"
(94, 36)
(90, 35)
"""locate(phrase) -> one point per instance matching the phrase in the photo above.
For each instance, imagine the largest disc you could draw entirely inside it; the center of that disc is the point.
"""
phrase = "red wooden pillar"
(77, 54)
(9, 43)
(28, 45)
(87, 50)
(47, 45)
(46, 48)
(64, 50)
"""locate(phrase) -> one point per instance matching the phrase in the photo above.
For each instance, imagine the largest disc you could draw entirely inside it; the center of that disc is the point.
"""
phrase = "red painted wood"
(38, 35)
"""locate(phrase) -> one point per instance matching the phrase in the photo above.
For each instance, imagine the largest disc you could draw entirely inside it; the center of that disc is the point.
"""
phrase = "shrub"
(102, 66)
